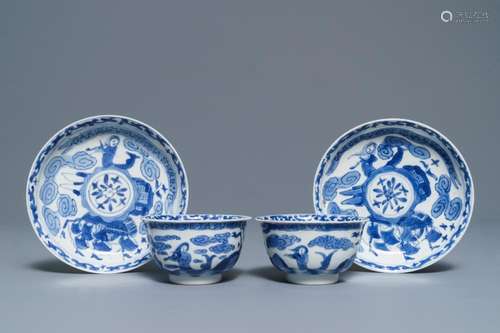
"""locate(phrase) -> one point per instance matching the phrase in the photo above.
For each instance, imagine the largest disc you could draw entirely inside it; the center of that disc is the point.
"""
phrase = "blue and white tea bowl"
(311, 249)
(196, 249)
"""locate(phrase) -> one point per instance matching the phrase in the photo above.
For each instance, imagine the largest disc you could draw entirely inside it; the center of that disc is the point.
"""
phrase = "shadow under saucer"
(441, 266)
(53, 265)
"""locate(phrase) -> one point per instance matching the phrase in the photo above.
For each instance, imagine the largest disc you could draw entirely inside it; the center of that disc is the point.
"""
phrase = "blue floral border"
(309, 218)
(49, 146)
(406, 123)
(196, 217)
(195, 226)
(310, 226)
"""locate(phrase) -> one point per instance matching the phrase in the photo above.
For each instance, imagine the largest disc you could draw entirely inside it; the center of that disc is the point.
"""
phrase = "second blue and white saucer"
(410, 180)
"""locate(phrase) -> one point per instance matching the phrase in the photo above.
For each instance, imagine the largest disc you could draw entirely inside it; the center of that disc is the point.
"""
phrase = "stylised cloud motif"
(203, 240)
(53, 166)
(443, 185)
(221, 248)
(333, 184)
(385, 151)
(150, 169)
(454, 209)
(160, 246)
(66, 206)
(419, 152)
(396, 141)
(330, 188)
(131, 145)
(51, 221)
(281, 242)
(48, 192)
(439, 206)
(159, 242)
(331, 243)
(83, 160)
(166, 238)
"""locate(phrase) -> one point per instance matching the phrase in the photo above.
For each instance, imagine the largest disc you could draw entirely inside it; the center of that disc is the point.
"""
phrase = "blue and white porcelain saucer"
(92, 182)
(410, 180)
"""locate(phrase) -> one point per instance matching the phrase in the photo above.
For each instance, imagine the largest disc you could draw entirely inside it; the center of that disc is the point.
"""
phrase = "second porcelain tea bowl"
(196, 249)
(311, 249)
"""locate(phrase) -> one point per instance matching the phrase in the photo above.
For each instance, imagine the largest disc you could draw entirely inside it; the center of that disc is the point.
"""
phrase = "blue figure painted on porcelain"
(308, 245)
(207, 245)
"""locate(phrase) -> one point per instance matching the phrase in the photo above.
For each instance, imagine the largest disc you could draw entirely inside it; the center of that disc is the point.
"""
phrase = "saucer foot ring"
(308, 279)
(195, 280)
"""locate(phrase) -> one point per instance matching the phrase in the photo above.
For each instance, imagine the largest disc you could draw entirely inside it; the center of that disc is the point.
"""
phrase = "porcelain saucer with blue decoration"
(92, 183)
(410, 180)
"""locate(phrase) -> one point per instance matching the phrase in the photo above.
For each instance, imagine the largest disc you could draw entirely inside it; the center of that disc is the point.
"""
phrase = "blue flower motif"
(109, 193)
(390, 194)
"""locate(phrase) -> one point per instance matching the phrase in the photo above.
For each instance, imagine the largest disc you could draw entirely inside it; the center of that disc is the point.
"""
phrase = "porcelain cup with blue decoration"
(311, 249)
(196, 249)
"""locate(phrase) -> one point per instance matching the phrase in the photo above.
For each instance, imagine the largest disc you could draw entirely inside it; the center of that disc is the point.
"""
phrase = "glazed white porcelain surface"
(410, 180)
(92, 182)
(311, 249)
(196, 248)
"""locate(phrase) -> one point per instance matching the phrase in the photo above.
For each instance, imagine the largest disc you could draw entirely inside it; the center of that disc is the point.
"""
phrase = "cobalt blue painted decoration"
(410, 180)
(92, 182)
(196, 247)
(306, 246)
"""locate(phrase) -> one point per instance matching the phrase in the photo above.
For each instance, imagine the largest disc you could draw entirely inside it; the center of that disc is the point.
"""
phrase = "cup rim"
(195, 218)
(310, 218)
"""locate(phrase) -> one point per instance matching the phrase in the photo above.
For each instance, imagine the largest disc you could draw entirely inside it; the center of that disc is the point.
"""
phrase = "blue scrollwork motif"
(51, 220)
(66, 206)
(48, 192)
(53, 166)
(83, 160)
(150, 169)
